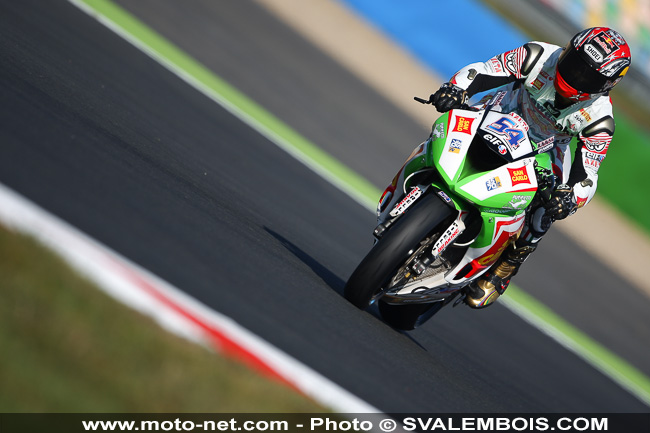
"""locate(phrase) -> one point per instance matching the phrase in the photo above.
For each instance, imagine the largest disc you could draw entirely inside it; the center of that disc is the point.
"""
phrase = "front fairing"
(490, 193)
(495, 176)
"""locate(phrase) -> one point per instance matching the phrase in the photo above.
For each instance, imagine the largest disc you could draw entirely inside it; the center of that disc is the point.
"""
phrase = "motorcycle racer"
(561, 93)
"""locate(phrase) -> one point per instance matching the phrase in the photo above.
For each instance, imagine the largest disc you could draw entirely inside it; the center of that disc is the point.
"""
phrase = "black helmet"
(593, 62)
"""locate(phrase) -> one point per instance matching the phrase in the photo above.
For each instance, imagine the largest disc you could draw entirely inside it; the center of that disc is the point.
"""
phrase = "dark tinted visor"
(579, 74)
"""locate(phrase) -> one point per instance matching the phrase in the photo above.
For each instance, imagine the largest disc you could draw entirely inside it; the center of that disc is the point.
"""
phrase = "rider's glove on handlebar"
(448, 97)
(562, 203)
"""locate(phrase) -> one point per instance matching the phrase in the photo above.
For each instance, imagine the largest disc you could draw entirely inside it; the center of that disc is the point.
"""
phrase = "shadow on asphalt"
(331, 279)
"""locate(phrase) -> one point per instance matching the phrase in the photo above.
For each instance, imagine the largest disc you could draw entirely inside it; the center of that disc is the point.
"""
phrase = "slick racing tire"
(409, 316)
(375, 271)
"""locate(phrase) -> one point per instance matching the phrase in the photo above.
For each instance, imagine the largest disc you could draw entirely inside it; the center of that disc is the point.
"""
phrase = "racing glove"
(562, 203)
(448, 97)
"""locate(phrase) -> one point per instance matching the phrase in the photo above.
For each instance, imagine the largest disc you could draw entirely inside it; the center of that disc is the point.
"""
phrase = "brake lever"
(460, 107)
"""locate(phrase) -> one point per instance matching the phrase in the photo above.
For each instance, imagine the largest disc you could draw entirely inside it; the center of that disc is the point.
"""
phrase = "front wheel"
(381, 263)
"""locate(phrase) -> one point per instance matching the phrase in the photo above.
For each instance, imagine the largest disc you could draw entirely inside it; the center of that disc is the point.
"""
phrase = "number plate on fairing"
(506, 134)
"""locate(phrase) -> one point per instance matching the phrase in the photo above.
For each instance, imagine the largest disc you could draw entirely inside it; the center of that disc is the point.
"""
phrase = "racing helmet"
(593, 62)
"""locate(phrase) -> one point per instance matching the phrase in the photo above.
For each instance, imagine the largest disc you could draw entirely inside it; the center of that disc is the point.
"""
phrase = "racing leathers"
(525, 81)
(527, 74)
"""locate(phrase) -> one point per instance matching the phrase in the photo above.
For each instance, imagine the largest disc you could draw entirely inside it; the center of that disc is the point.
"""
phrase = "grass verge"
(623, 177)
(68, 347)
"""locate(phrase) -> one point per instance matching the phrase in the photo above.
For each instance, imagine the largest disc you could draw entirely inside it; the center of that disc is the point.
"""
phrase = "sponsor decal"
(618, 39)
(545, 145)
(502, 149)
(444, 196)
(538, 84)
(438, 130)
(511, 61)
(593, 160)
(496, 65)
(495, 252)
(584, 114)
(594, 53)
(492, 139)
(595, 156)
(520, 121)
(598, 143)
(408, 201)
(579, 119)
(497, 98)
(493, 183)
(519, 200)
(606, 43)
(581, 202)
(447, 237)
(504, 211)
(519, 175)
(455, 145)
(510, 130)
(463, 124)
(591, 163)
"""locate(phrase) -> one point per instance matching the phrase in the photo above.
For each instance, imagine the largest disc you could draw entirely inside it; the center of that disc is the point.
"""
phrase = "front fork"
(396, 193)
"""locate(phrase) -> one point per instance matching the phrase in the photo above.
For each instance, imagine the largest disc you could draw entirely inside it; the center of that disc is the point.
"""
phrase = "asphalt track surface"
(99, 134)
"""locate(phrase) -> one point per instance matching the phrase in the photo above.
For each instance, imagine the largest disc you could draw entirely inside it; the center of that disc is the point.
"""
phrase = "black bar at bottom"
(384, 423)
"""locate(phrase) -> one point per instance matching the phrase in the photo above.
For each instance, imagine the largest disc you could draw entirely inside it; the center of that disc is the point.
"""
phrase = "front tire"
(393, 249)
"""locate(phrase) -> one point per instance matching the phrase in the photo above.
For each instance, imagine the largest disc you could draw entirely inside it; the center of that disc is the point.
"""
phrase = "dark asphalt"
(100, 135)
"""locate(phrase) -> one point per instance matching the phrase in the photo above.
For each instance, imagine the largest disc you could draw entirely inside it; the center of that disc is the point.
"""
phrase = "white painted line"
(169, 306)
(225, 103)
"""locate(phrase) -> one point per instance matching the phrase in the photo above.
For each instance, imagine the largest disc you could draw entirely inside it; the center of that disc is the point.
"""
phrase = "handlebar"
(461, 106)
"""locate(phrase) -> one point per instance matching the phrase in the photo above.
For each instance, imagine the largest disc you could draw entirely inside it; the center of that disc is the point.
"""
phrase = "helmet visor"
(579, 74)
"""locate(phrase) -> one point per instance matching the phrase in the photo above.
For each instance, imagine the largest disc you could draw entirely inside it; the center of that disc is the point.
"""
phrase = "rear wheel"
(381, 263)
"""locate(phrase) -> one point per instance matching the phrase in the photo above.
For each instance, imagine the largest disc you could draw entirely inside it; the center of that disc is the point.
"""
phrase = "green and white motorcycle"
(453, 208)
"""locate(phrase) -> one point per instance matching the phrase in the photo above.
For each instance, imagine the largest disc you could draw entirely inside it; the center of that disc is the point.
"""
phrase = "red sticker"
(463, 124)
(519, 175)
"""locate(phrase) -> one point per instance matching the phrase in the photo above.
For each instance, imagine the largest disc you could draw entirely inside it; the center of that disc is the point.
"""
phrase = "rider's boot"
(490, 286)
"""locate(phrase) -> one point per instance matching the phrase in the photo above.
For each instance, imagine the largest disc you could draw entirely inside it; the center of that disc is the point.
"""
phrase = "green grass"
(623, 177)
(68, 347)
